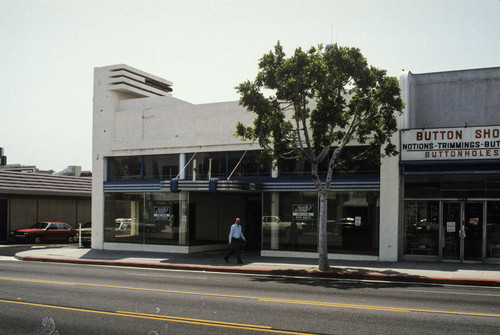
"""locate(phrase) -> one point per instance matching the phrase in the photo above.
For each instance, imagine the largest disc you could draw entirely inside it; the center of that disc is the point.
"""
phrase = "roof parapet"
(124, 78)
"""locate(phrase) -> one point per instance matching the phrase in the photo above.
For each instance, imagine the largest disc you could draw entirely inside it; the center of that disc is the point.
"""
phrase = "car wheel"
(71, 239)
(38, 239)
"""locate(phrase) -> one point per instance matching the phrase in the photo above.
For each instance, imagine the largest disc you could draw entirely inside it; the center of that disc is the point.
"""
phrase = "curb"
(281, 272)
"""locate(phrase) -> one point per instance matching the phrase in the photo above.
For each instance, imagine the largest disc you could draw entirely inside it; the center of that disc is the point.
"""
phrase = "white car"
(125, 225)
(274, 222)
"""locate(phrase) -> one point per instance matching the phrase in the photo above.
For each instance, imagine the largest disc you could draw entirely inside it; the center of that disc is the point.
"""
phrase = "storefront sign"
(450, 143)
(162, 213)
(303, 212)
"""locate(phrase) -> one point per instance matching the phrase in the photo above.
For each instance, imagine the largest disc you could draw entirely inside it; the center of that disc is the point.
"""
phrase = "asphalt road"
(42, 298)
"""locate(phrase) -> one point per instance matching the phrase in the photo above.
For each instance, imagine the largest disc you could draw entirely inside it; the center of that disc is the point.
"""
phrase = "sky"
(49, 49)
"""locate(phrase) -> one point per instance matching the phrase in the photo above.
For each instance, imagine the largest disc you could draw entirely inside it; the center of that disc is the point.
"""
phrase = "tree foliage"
(318, 101)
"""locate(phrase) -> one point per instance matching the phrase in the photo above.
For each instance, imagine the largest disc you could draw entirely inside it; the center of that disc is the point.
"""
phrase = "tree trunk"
(322, 237)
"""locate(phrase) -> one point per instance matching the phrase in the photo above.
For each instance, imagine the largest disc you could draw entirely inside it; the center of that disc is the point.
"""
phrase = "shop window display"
(493, 230)
(145, 218)
(290, 222)
(421, 227)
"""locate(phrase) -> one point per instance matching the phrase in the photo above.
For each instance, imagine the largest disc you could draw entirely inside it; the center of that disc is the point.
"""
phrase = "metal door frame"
(462, 203)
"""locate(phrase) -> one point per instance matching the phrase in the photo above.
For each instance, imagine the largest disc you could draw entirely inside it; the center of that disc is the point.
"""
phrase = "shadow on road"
(342, 284)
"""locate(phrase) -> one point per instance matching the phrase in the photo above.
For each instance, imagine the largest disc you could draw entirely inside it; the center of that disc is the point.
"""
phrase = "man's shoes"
(240, 262)
(227, 260)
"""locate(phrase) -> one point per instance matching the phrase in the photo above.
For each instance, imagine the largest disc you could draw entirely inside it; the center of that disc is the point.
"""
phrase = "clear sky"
(49, 48)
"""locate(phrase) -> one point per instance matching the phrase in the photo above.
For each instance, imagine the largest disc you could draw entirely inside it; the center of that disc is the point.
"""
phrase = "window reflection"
(291, 219)
(161, 166)
(493, 229)
(124, 168)
(150, 218)
(421, 227)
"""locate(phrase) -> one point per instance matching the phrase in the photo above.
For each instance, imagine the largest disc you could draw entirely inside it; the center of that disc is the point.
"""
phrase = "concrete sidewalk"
(441, 273)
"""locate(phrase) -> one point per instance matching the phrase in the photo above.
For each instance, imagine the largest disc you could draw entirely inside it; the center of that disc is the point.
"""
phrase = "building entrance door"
(3, 220)
(462, 231)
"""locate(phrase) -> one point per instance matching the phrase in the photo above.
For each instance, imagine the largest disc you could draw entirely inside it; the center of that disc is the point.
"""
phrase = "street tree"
(311, 105)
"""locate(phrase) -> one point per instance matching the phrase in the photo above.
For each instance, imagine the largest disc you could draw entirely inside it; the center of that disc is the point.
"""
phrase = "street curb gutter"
(281, 272)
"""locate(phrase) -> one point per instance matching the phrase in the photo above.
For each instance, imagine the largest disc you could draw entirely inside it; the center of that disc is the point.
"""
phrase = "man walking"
(236, 238)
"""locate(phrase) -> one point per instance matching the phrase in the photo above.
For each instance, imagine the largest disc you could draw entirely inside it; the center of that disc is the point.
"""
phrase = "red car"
(46, 231)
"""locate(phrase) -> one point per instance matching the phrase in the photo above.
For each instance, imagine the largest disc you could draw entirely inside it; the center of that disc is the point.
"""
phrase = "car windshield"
(40, 225)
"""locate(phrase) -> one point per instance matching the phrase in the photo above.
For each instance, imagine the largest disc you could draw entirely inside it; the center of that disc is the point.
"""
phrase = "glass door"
(473, 231)
(451, 224)
(462, 231)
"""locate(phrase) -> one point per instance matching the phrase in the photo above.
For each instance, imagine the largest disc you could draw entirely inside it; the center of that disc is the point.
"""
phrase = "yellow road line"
(286, 301)
(201, 322)
(191, 319)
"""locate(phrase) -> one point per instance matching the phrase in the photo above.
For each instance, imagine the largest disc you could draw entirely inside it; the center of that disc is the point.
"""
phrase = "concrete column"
(182, 163)
(389, 209)
(184, 218)
(390, 185)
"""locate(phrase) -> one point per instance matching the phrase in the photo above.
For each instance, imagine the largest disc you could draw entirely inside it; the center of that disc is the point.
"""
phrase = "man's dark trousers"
(235, 248)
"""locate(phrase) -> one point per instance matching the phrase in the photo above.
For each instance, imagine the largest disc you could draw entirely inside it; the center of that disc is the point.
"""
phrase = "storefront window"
(421, 227)
(222, 164)
(355, 160)
(493, 229)
(203, 165)
(249, 164)
(290, 222)
(146, 218)
(124, 168)
(161, 167)
(124, 218)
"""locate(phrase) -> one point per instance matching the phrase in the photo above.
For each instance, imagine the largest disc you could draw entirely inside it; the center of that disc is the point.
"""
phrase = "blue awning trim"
(212, 185)
(339, 183)
(174, 185)
(132, 186)
(238, 185)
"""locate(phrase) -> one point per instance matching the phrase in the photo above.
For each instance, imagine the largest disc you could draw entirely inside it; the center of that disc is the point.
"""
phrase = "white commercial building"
(169, 175)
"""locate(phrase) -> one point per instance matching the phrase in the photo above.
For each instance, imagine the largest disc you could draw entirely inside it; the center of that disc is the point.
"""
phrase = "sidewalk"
(441, 273)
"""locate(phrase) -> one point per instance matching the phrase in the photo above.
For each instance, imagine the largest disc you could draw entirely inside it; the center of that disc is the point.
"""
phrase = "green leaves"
(319, 100)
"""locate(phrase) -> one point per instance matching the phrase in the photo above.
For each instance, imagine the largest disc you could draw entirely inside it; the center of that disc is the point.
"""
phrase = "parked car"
(124, 225)
(269, 222)
(45, 231)
(85, 233)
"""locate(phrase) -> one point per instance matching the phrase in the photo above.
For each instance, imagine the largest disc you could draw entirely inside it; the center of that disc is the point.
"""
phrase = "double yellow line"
(177, 319)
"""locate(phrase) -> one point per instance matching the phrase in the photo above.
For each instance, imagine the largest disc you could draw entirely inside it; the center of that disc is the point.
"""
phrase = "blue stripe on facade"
(277, 185)
(132, 186)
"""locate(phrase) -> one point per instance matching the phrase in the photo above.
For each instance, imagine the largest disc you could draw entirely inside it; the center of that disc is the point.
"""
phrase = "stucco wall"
(24, 212)
(454, 99)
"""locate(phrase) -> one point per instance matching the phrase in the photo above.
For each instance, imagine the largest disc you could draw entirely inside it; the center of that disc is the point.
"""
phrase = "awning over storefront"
(450, 167)
(339, 183)
(132, 186)
(213, 185)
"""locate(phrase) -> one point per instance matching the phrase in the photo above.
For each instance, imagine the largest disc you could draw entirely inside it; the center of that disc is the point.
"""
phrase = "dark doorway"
(3, 220)
(253, 222)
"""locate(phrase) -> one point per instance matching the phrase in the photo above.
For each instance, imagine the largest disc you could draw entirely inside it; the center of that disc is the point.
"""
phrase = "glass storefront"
(185, 218)
(290, 222)
(450, 217)
(493, 229)
(146, 218)
(422, 227)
